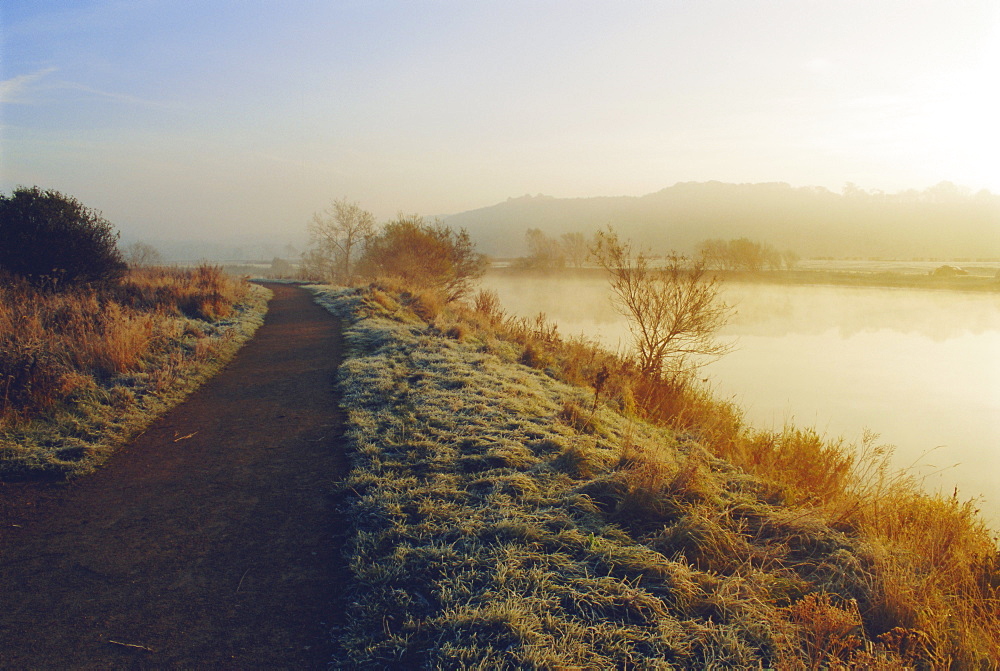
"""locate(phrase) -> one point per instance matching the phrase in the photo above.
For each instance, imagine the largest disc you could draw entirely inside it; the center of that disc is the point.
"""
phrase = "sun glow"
(960, 120)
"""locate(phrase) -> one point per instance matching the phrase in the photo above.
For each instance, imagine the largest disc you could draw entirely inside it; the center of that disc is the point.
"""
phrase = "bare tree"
(140, 254)
(544, 252)
(336, 234)
(575, 248)
(749, 255)
(744, 254)
(790, 259)
(715, 253)
(281, 268)
(674, 311)
(315, 266)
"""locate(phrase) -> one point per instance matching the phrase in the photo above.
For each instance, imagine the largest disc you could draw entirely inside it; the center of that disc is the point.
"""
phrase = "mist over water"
(919, 368)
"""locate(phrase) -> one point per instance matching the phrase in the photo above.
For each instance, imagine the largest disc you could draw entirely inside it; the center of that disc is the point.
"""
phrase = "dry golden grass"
(831, 632)
(933, 563)
(49, 340)
(205, 292)
(426, 304)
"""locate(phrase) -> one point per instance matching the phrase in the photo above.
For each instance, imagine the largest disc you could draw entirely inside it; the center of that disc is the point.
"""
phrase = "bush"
(673, 311)
(141, 255)
(424, 256)
(52, 240)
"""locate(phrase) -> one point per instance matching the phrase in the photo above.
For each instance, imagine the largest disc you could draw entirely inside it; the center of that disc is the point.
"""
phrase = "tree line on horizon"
(943, 221)
(575, 250)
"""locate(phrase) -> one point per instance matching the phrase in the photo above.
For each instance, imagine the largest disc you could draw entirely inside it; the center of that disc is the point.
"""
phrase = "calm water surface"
(920, 368)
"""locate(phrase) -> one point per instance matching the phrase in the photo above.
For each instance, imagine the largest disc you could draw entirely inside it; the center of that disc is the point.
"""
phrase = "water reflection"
(921, 368)
(780, 310)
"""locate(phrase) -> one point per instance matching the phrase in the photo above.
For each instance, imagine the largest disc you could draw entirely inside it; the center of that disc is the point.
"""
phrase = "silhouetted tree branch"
(674, 311)
(336, 234)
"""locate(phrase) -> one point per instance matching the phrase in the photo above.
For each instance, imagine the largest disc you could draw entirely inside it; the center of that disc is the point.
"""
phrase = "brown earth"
(212, 541)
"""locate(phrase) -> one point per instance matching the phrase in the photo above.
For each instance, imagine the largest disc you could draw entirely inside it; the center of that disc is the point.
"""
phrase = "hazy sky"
(212, 119)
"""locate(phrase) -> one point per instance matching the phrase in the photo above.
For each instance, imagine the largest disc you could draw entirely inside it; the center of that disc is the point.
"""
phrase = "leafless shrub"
(674, 311)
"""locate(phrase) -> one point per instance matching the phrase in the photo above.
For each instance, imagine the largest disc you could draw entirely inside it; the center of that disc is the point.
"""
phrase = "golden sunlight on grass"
(106, 352)
(520, 499)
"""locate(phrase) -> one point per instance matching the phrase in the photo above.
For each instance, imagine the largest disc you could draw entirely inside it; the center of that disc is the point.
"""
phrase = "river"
(920, 368)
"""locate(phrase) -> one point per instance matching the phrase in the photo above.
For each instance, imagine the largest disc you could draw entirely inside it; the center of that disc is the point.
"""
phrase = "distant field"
(982, 267)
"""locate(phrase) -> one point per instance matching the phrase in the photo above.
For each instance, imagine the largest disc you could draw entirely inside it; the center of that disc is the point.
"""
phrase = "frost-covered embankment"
(497, 520)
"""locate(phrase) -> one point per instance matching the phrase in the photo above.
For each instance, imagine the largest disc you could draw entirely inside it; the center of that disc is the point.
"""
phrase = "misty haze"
(500, 334)
(919, 368)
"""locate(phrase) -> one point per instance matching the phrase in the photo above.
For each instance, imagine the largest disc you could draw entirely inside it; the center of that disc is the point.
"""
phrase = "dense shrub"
(52, 240)
(424, 256)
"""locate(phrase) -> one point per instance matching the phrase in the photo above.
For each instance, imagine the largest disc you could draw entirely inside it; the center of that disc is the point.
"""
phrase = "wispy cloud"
(18, 90)
(14, 90)
(110, 95)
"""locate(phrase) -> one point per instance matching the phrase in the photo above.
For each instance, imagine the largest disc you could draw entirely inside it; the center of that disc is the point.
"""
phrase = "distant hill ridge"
(943, 221)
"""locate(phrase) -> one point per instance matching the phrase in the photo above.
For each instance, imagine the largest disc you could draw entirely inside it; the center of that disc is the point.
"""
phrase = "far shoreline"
(978, 279)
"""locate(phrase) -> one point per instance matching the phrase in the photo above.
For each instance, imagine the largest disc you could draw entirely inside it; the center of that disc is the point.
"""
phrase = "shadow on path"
(210, 541)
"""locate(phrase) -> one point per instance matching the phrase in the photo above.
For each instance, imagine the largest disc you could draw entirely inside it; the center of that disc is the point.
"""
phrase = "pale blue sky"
(216, 119)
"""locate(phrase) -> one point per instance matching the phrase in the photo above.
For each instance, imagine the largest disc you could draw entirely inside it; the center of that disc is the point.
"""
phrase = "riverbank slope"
(506, 514)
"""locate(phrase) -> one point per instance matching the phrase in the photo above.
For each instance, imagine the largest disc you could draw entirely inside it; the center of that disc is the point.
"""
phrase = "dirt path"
(210, 542)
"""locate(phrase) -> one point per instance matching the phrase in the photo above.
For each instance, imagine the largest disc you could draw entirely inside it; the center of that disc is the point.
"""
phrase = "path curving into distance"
(209, 542)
